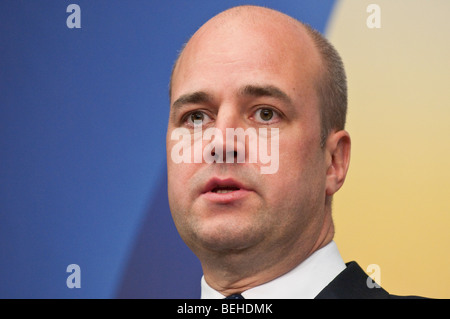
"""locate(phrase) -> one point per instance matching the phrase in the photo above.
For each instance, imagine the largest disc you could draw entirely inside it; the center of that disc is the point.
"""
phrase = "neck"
(237, 271)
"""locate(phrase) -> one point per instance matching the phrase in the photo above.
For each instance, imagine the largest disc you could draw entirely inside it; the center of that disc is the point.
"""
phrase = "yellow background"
(394, 208)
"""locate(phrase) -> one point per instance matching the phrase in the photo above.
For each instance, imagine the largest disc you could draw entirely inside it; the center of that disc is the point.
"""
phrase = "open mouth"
(224, 190)
(222, 186)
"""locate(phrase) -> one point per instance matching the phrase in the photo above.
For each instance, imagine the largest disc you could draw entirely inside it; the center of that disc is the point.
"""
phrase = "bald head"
(277, 34)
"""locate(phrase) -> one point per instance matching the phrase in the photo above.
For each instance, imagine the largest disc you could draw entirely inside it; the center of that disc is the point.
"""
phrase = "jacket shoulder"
(351, 283)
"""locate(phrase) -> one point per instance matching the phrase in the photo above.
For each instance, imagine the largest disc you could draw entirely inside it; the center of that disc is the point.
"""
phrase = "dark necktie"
(235, 296)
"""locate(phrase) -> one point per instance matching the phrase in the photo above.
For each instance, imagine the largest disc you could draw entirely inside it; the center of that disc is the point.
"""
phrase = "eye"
(196, 118)
(266, 116)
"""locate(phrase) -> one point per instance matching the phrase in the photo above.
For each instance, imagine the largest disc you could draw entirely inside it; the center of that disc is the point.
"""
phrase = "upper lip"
(216, 182)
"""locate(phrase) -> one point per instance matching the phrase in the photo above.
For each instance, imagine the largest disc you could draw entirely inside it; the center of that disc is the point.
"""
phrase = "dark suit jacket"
(352, 284)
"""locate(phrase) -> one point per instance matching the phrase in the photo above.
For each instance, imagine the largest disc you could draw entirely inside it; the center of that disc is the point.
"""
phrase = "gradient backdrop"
(83, 114)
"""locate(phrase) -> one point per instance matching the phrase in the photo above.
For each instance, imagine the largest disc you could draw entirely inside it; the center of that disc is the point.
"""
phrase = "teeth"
(223, 191)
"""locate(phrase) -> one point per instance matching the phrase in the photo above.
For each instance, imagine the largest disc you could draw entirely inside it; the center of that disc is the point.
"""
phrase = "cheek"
(301, 173)
(299, 147)
(178, 165)
(178, 177)
(294, 153)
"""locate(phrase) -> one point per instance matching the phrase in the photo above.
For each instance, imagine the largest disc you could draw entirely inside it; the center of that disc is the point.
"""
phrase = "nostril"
(218, 155)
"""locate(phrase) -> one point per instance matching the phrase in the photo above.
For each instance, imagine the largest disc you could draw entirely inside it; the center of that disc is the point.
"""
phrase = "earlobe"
(338, 151)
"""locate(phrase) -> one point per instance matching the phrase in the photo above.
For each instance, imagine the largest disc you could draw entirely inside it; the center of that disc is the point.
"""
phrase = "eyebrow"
(265, 90)
(198, 97)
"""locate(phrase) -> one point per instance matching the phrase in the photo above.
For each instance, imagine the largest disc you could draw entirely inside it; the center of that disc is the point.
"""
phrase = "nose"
(228, 146)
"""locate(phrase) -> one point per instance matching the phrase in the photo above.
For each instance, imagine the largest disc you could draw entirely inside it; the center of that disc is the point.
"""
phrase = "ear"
(337, 151)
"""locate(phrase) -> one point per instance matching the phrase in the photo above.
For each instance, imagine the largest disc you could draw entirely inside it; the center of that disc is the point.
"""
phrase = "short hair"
(331, 86)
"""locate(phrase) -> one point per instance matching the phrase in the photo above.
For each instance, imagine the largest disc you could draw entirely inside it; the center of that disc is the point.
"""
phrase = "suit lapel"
(351, 283)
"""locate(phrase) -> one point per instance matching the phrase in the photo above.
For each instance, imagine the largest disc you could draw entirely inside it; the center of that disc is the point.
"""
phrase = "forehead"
(227, 53)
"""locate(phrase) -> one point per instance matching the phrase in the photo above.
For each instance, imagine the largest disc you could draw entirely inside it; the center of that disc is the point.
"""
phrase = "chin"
(227, 236)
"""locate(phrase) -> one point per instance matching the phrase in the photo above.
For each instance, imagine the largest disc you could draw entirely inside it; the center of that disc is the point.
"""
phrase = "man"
(261, 235)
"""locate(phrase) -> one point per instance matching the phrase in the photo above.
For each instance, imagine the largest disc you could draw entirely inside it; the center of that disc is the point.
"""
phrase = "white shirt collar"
(303, 282)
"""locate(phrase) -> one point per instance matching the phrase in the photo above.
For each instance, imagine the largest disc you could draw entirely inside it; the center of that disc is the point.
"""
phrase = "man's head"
(332, 85)
(252, 67)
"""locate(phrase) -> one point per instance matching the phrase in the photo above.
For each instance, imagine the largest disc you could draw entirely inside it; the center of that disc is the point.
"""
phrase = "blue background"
(83, 115)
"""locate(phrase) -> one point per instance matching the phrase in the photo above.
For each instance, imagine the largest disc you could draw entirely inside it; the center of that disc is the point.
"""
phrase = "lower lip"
(225, 198)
